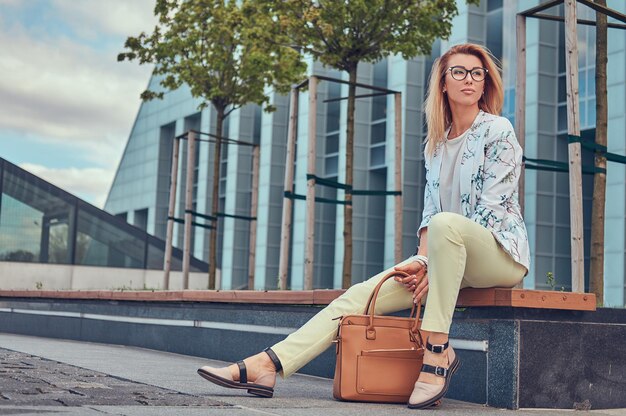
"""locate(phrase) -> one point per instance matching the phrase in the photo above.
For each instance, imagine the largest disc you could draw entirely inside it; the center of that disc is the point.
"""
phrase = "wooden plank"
(302, 297)
(504, 297)
(476, 297)
(253, 213)
(398, 208)
(191, 161)
(310, 186)
(545, 299)
(325, 296)
(520, 97)
(285, 231)
(170, 215)
(574, 149)
(522, 298)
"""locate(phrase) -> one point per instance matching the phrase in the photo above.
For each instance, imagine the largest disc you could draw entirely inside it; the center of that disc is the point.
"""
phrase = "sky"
(66, 105)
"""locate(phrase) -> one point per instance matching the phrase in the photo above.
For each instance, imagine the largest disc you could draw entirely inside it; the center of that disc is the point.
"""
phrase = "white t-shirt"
(449, 185)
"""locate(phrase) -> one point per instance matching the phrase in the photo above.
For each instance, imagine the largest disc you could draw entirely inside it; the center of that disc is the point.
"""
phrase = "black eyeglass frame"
(468, 71)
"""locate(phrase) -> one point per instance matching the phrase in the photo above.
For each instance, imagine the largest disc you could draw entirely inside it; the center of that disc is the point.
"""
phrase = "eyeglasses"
(460, 73)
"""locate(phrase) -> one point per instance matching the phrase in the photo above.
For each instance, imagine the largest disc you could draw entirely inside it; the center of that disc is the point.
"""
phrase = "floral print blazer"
(490, 169)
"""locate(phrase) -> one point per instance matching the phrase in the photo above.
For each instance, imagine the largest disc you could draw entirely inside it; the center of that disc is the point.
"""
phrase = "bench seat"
(512, 297)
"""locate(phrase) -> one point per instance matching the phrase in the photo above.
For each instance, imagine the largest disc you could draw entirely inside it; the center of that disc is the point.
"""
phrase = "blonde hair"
(437, 108)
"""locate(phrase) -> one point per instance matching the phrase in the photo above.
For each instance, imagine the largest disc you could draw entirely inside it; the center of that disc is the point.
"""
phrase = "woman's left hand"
(421, 289)
(417, 280)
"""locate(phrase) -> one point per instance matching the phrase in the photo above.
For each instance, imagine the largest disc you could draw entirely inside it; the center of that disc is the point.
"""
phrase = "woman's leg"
(315, 336)
(461, 253)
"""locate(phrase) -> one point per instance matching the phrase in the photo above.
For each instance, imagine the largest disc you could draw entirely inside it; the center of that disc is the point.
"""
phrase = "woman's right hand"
(416, 279)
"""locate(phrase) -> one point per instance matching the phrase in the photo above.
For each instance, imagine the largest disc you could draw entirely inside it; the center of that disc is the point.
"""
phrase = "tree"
(341, 34)
(220, 50)
(596, 270)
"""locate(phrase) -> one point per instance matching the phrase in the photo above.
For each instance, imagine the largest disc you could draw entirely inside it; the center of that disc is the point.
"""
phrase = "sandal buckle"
(438, 349)
(441, 371)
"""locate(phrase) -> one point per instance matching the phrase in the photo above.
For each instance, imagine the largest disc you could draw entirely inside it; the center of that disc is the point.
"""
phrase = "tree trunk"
(215, 197)
(596, 271)
(346, 280)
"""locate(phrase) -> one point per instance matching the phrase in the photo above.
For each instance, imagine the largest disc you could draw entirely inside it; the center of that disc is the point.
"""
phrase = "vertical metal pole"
(191, 161)
(285, 232)
(573, 128)
(398, 177)
(170, 215)
(520, 105)
(253, 214)
(520, 98)
(310, 186)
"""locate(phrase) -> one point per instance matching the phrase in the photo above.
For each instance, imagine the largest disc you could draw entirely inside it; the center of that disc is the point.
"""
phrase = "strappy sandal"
(436, 391)
(252, 388)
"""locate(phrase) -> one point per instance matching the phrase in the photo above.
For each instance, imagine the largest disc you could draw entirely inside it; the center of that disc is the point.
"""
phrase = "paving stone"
(35, 381)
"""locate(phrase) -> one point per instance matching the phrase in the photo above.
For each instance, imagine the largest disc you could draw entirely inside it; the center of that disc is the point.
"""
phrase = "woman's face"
(464, 80)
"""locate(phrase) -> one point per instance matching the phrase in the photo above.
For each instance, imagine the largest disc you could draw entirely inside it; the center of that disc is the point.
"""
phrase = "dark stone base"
(535, 358)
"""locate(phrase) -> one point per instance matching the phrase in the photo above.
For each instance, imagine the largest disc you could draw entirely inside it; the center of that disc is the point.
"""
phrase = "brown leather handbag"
(378, 357)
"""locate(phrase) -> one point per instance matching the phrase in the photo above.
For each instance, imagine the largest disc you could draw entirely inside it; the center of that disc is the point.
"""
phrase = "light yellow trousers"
(461, 253)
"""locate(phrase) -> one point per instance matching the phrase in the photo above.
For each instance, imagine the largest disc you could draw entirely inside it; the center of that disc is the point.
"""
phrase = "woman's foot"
(257, 374)
(440, 362)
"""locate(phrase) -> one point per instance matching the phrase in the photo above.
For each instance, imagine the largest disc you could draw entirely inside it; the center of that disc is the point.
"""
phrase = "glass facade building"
(140, 188)
(41, 223)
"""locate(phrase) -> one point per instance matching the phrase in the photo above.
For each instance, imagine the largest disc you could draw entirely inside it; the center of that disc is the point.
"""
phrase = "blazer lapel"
(469, 163)
(435, 173)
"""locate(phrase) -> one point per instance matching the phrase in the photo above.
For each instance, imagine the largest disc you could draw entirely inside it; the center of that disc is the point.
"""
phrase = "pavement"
(42, 376)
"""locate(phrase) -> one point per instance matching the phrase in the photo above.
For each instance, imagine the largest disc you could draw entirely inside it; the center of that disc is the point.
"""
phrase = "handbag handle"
(371, 307)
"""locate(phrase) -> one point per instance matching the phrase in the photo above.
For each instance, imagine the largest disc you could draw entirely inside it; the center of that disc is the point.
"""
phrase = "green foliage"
(343, 33)
(39, 285)
(19, 255)
(215, 47)
(551, 281)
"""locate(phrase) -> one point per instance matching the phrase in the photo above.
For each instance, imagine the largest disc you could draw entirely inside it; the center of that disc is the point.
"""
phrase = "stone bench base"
(512, 357)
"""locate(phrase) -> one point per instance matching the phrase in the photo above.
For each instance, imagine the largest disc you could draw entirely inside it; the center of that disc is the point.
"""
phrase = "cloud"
(91, 18)
(90, 184)
(66, 90)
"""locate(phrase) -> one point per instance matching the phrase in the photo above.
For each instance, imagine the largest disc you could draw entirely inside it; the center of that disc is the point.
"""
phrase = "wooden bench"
(518, 298)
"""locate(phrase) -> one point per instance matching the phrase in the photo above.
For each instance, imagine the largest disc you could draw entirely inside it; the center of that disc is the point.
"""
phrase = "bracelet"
(421, 259)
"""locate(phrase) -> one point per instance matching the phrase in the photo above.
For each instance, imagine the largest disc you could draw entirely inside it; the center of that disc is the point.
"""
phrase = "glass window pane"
(34, 221)
(591, 82)
(333, 109)
(103, 244)
(494, 33)
(331, 164)
(377, 156)
(561, 49)
(591, 33)
(379, 107)
(20, 231)
(380, 73)
(378, 132)
(332, 143)
(332, 116)
(562, 89)
(562, 118)
(494, 4)
(591, 112)
(582, 49)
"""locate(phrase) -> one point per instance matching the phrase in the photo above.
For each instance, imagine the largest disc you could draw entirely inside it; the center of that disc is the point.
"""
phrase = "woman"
(471, 235)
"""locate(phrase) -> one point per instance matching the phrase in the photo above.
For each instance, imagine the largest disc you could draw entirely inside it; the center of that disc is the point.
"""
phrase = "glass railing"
(42, 223)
